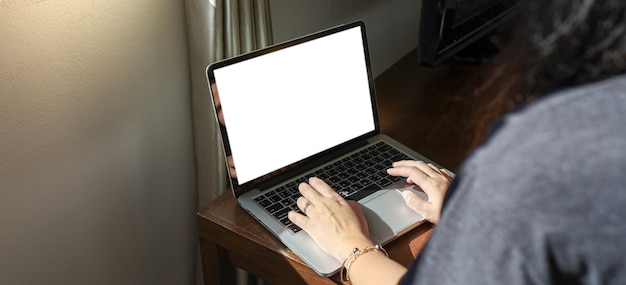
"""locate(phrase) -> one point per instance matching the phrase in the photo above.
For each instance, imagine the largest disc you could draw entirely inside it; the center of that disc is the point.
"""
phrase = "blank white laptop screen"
(275, 103)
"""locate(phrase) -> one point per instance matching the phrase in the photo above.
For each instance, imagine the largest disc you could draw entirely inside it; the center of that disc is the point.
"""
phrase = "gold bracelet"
(345, 277)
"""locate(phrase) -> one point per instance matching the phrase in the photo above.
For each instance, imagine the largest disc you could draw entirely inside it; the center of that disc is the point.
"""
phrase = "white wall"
(96, 165)
(391, 25)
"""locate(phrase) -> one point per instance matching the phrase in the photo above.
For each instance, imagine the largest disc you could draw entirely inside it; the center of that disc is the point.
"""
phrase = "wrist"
(356, 254)
(346, 248)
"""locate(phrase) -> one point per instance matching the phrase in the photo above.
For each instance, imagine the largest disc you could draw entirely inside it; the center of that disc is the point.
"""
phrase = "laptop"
(304, 108)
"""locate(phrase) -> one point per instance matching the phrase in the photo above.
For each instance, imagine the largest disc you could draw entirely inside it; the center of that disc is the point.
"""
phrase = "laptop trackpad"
(388, 215)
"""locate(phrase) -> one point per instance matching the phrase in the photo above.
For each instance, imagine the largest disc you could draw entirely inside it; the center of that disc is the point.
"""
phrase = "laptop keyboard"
(353, 177)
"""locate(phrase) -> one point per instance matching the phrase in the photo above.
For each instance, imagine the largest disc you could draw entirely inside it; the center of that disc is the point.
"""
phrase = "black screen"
(449, 26)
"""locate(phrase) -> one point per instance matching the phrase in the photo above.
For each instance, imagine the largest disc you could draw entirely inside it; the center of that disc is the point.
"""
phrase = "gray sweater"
(542, 201)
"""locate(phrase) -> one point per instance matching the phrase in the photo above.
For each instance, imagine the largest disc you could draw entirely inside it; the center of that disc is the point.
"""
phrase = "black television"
(447, 27)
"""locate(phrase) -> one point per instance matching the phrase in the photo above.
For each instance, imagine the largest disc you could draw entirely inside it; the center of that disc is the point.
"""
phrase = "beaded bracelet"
(345, 277)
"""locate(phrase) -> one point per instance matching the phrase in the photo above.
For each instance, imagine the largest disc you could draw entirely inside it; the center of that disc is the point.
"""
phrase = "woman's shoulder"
(560, 142)
(588, 113)
(600, 101)
(569, 142)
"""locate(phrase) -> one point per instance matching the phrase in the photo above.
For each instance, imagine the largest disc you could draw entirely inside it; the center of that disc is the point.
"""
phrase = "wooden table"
(230, 237)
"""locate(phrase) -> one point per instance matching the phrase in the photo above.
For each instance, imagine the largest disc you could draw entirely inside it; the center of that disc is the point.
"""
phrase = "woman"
(541, 201)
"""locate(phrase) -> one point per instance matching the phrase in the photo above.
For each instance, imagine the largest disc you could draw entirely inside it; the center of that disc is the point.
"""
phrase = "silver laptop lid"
(283, 107)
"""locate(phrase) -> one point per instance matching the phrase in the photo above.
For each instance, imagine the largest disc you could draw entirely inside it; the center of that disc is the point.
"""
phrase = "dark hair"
(555, 45)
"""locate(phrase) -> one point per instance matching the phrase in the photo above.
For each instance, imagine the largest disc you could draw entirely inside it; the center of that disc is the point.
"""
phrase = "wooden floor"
(422, 108)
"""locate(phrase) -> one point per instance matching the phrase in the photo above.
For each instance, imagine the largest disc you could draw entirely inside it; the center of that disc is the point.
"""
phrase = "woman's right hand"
(432, 180)
(336, 225)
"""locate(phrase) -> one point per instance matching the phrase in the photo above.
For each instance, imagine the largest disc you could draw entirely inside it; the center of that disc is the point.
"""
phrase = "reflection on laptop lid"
(311, 89)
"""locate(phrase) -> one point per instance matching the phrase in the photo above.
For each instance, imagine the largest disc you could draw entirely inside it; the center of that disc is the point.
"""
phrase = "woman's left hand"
(432, 180)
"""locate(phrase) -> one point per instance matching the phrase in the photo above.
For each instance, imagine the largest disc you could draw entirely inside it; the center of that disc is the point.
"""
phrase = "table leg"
(216, 269)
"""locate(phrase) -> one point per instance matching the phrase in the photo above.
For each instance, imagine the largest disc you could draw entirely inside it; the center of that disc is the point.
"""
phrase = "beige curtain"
(218, 29)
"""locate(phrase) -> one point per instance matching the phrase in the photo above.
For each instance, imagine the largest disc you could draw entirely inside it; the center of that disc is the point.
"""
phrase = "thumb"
(415, 202)
(298, 219)
(357, 209)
